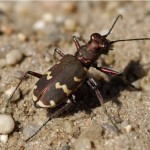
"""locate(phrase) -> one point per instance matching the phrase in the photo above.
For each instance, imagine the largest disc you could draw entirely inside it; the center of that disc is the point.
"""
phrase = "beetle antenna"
(119, 16)
(138, 39)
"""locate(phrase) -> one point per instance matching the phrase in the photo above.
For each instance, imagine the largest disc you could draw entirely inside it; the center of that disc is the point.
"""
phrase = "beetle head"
(98, 44)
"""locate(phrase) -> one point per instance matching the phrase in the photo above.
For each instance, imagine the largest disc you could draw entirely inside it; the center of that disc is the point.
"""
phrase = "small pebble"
(89, 135)
(60, 19)
(39, 25)
(6, 124)
(48, 17)
(110, 131)
(48, 57)
(4, 138)
(70, 25)
(68, 126)
(66, 147)
(16, 95)
(128, 128)
(83, 144)
(93, 132)
(22, 37)
(29, 130)
(123, 125)
(13, 57)
(27, 50)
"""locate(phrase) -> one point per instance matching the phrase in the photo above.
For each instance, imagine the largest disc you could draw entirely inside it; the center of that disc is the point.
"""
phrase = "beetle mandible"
(60, 82)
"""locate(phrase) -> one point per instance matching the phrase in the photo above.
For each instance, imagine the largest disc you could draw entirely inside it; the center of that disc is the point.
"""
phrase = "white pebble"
(21, 37)
(16, 95)
(47, 17)
(13, 57)
(128, 128)
(40, 24)
(4, 138)
(6, 124)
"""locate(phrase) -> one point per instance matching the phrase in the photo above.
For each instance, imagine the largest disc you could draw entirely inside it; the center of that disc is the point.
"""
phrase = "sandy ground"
(35, 29)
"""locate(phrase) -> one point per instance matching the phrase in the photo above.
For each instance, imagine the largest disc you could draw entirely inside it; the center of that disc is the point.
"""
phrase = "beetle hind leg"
(91, 82)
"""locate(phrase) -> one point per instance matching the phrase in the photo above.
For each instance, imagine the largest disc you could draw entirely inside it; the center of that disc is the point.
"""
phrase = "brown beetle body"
(59, 82)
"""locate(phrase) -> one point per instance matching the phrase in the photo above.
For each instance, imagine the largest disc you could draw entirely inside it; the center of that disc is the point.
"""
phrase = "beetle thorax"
(90, 52)
(85, 56)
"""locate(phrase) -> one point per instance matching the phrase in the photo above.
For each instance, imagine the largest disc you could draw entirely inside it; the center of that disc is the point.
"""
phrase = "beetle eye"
(95, 36)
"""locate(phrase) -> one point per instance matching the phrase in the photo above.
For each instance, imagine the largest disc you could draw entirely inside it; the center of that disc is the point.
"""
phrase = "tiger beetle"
(61, 81)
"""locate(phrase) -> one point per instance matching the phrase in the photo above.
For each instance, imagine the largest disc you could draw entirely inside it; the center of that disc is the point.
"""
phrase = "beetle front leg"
(35, 74)
(58, 51)
(115, 73)
(75, 39)
(91, 82)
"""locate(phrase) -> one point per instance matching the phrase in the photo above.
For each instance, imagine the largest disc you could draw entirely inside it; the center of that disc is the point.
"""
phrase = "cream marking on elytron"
(40, 103)
(48, 75)
(85, 69)
(52, 103)
(64, 87)
(76, 79)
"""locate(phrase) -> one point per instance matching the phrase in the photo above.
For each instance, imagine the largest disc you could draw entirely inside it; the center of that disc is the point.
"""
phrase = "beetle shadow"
(86, 99)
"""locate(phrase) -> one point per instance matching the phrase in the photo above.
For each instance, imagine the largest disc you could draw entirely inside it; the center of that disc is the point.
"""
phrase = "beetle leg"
(91, 82)
(68, 104)
(115, 73)
(75, 39)
(81, 39)
(76, 42)
(58, 51)
(35, 74)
